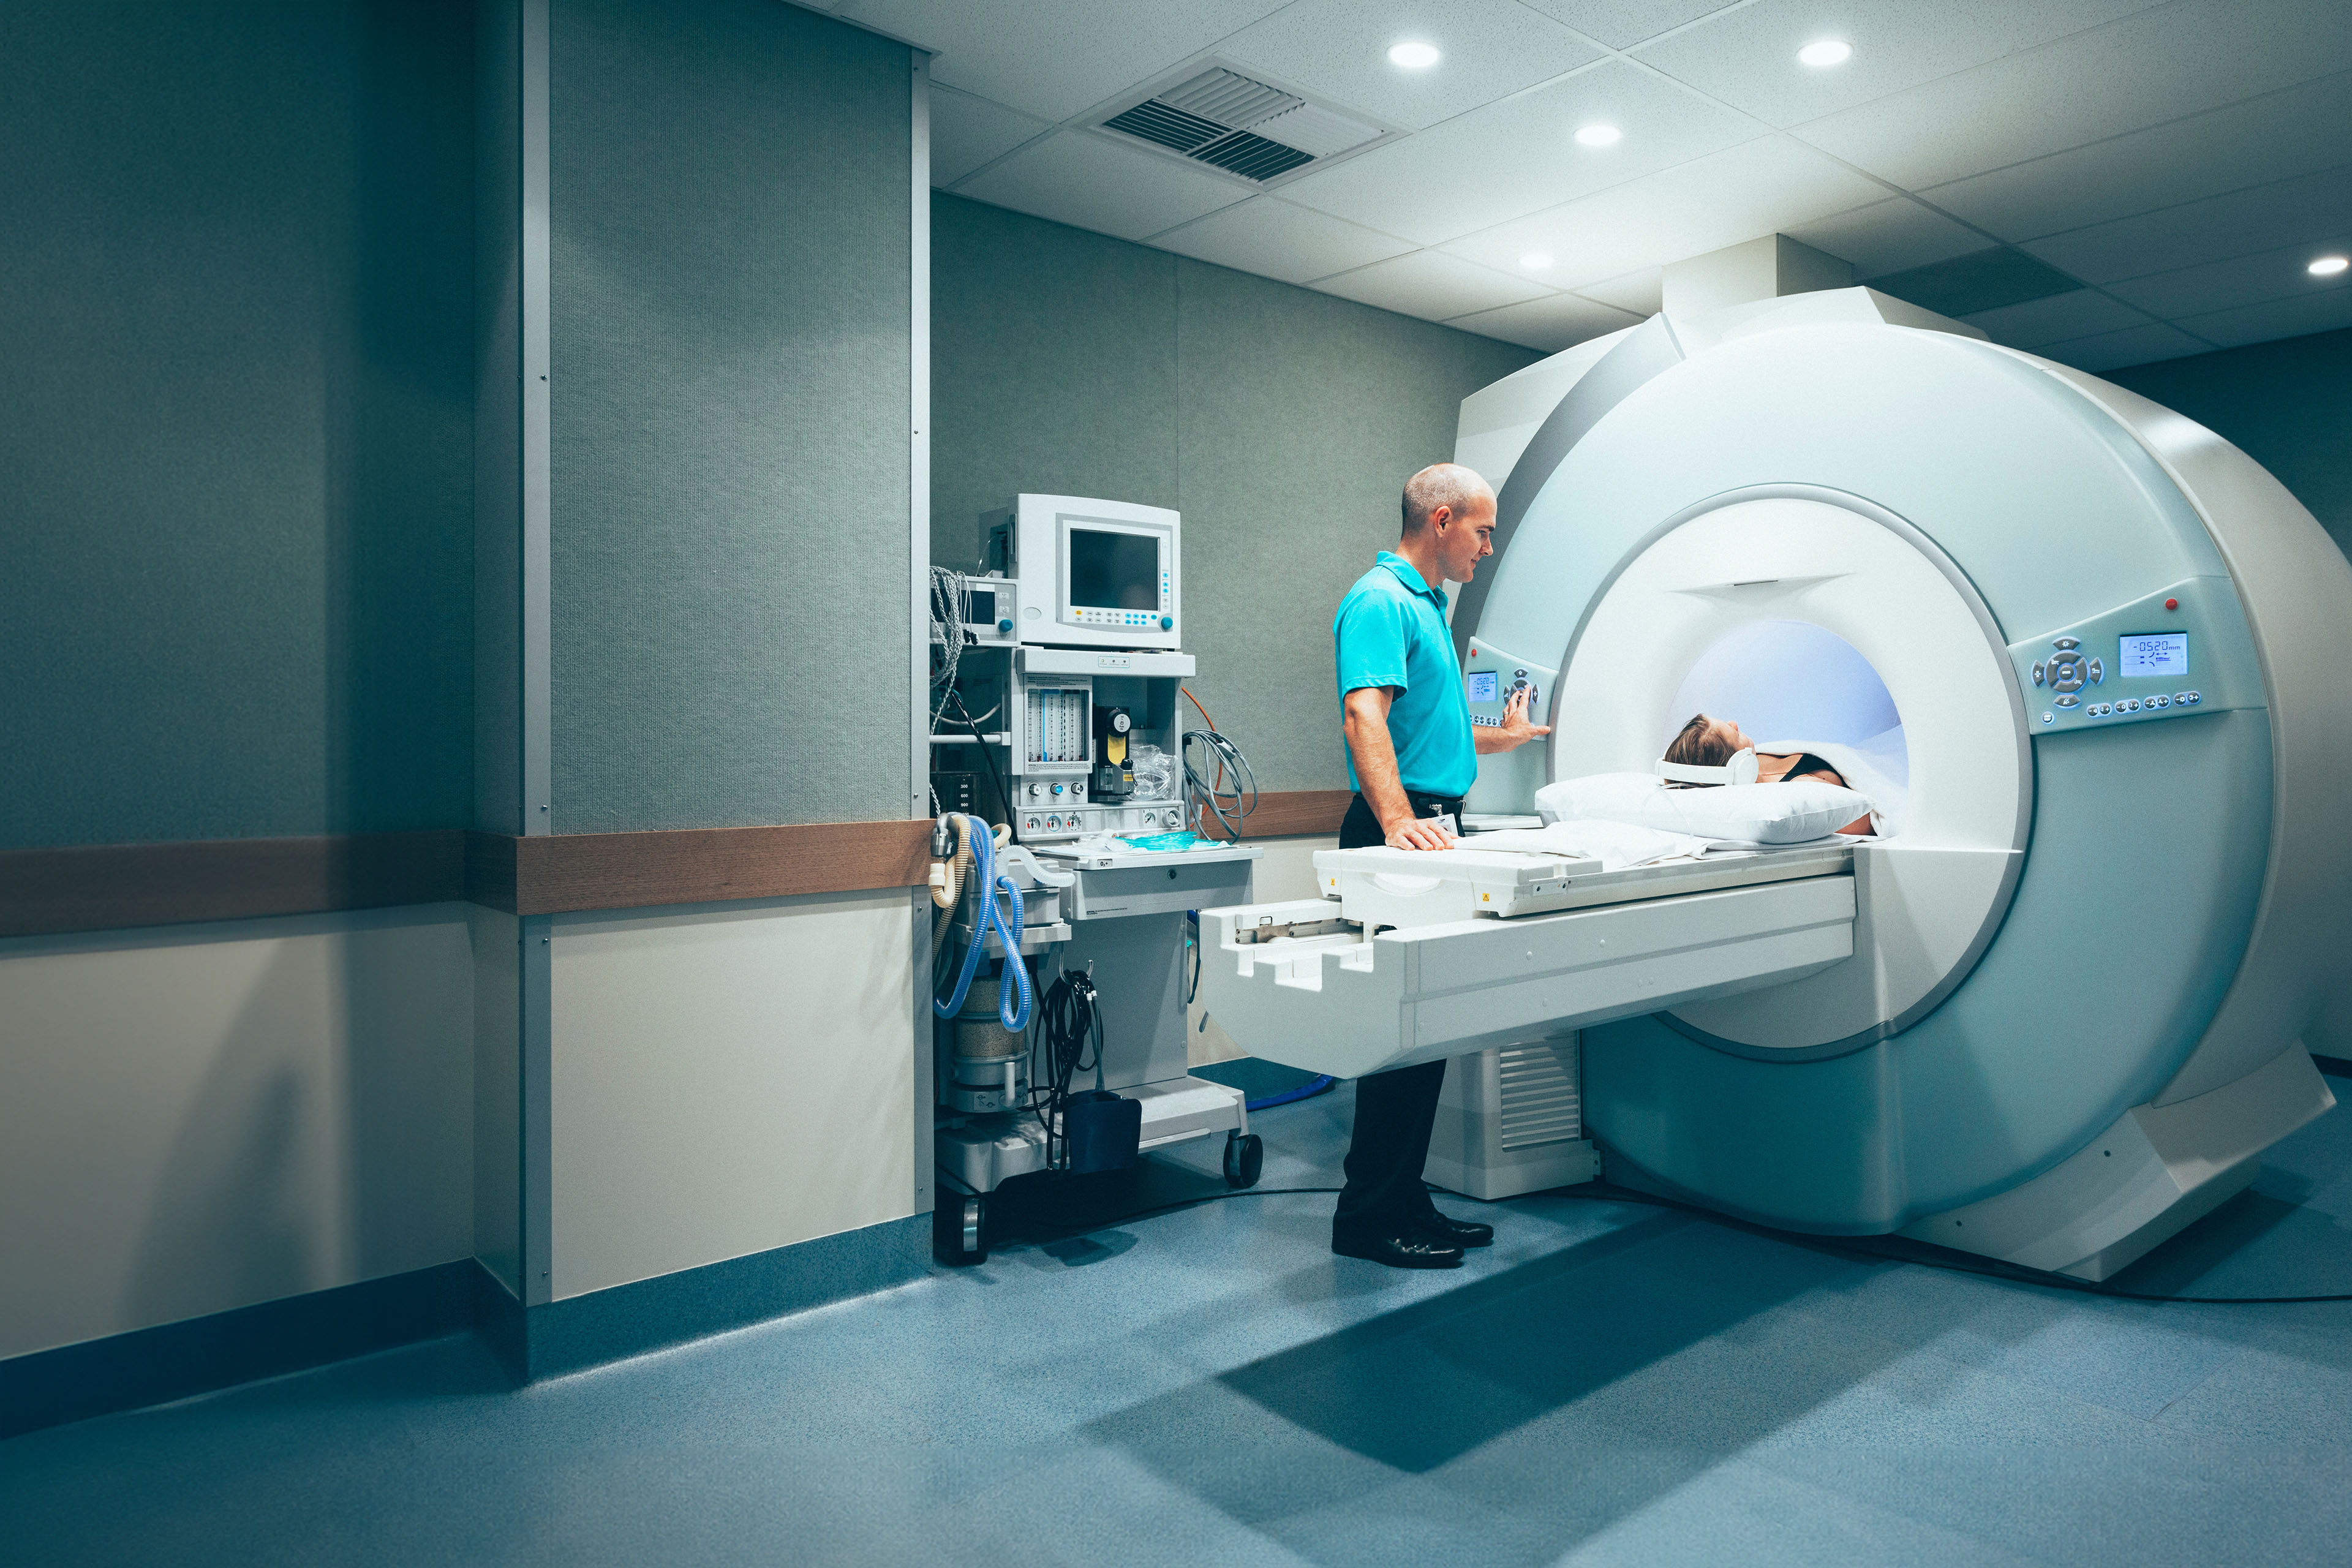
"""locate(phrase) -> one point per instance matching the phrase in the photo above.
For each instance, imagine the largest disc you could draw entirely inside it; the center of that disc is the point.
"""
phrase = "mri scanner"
(2057, 1014)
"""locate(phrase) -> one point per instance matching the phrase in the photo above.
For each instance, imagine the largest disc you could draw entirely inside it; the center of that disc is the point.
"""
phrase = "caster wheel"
(1245, 1158)
(959, 1229)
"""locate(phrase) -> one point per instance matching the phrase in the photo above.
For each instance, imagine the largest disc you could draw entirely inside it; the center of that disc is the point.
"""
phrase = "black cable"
(1884, 1249)
(1846, 1247)
(963, 716)
(1067, 1021)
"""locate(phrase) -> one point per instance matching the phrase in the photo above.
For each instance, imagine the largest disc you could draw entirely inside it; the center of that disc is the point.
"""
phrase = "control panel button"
(2038, 680)
(1035, 791)
(2068, 700)
(2131, 705)
(2159, 701)
(1057, 789)
(2192, 698)
(2064, 644)
(2098, 671)
(2048, 717)
(2067, 671)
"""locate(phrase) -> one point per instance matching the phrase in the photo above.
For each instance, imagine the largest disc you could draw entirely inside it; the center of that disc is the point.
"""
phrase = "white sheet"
(1618, 846)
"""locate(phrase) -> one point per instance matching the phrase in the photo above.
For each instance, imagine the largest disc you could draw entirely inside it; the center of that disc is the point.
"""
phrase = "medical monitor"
(1094, 573)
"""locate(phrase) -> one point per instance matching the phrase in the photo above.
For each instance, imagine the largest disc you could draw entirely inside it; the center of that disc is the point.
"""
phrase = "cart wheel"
(959, 1229)
(1245, 1158)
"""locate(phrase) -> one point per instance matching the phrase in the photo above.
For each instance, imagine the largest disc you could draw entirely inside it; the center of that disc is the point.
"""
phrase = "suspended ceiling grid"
(2177, 164)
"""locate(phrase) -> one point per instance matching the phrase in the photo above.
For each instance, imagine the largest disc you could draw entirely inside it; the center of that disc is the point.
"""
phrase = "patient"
(1709, 742)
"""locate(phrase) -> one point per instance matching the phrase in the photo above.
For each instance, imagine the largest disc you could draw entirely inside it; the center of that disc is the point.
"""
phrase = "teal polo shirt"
(1391, 631)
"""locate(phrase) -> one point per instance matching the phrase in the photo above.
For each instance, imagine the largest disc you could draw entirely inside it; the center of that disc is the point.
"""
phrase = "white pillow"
(1749, 813)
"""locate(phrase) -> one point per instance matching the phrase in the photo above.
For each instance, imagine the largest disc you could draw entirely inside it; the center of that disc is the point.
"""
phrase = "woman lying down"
(1776, 801)
(1710, 743)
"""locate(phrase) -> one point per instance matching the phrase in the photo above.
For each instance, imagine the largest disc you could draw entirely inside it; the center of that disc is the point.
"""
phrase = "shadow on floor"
(1342, 1425)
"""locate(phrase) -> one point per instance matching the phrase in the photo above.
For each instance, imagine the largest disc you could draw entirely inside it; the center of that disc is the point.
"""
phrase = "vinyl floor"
(1611, 1383)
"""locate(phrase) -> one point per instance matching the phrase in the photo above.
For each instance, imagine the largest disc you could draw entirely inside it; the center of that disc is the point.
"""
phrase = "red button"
(2172, 604)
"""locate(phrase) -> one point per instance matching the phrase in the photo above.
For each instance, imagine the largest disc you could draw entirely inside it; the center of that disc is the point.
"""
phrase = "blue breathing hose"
(991, 887)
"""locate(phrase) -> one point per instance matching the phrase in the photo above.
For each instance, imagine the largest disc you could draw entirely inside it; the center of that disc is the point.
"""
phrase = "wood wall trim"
(559, 872)
(110, 886)
(113, 887)
(1290, 814)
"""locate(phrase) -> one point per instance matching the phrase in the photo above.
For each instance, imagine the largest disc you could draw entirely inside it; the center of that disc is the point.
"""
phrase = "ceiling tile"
(2181, 58)
(1748, 58)
(1269, 236)
(1621, 23)
(1771, 183)
(1431, 284)
(2079, 314)
(2266, 218)
(1559, 321)
(2271, 137)
(967, 132)
(1889, 236)
(1511, 158)
(1986, 280)
(1054, 58)
(1340, 48)
(2253, 279)
(1642, 292)
(1078, 177)
(2322, 311)
(2133, 345)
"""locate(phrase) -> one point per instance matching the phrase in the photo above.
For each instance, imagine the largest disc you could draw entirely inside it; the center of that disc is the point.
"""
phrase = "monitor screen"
(1114, 571)
(1482, 685)
(2162, 654)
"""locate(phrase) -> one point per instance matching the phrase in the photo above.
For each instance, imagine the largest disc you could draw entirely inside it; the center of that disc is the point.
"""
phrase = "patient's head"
(1707, 743)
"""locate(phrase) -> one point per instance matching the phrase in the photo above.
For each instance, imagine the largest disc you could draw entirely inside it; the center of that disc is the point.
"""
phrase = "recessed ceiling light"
(2327, 266)
(1599, 136)
(1535, 261)
(1413, 57)
(1825, 52)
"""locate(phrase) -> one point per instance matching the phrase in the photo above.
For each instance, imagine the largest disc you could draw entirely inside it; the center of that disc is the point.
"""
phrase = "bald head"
(1447, 485)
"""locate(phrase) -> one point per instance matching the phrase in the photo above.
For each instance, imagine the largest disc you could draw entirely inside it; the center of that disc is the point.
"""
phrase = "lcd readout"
(2164, 654)
(1482, 685)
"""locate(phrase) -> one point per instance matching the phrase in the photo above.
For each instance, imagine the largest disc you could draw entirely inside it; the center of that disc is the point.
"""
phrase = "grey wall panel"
(731, 269)
(1300, 419)
(1282, 422)
(1053, 368)
(2287, 405)
(235, 443)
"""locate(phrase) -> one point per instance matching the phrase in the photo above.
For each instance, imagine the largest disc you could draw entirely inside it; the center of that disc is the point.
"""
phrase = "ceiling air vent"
(1244, 127)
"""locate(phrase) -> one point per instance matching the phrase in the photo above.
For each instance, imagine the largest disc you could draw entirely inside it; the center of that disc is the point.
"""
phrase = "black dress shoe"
(1459, 1232)
(1407, 1249)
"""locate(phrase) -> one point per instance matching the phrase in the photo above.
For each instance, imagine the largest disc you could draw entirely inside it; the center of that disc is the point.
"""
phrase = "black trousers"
(1394, 1110)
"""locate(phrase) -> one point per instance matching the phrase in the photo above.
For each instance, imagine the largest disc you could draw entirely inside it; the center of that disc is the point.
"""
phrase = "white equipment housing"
(2056, 1013)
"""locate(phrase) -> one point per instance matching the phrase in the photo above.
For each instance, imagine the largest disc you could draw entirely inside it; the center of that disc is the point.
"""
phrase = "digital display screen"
(1114, 571)
(1484, 684)
(2156, 653)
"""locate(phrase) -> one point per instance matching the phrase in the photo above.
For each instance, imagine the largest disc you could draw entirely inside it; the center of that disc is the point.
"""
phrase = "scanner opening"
(1791, 680)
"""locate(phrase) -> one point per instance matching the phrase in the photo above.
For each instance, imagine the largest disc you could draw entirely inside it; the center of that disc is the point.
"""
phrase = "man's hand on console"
(1418, 833)
(1514, 732)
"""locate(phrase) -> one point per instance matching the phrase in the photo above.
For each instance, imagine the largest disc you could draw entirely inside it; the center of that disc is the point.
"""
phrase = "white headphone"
(1740, 769)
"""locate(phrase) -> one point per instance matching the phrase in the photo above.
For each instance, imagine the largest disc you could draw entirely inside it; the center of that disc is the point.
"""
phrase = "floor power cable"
(1854, 1247)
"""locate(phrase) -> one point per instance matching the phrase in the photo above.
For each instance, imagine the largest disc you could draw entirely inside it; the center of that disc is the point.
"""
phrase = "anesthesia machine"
(1056, 700)
(2083, 657)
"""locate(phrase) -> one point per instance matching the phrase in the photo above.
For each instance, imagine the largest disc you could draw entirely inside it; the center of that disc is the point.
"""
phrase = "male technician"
(1412, 756)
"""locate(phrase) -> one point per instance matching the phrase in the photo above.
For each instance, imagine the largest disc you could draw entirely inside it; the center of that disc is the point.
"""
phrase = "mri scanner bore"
(2077, 649)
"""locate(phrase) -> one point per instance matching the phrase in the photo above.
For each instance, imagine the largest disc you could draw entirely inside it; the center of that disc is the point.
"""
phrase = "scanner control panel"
(2174, 653)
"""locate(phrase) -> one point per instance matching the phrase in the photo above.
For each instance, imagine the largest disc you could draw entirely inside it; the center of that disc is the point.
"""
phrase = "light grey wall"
(731, 228)
(1280, 421)
(236, 442)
